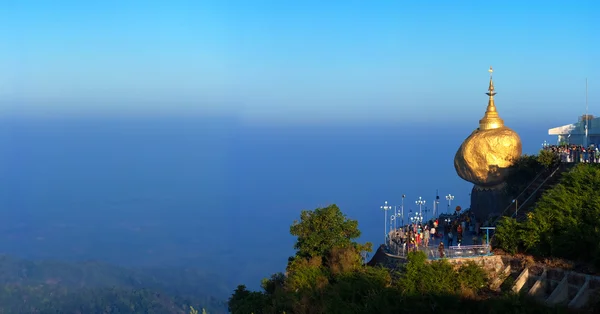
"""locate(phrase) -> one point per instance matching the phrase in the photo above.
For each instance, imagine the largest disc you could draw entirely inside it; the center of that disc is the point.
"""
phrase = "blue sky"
(353, 61)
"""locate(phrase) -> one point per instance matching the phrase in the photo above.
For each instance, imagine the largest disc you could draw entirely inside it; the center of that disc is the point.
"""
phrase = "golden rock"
(486, 155)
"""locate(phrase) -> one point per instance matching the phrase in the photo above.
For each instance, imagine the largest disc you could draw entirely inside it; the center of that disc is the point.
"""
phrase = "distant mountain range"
(95, 287)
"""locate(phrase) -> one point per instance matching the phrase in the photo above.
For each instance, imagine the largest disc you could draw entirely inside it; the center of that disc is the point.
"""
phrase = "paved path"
(468, 239)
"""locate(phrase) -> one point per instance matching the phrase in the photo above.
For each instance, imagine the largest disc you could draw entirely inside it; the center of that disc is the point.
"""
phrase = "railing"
(578, 158)
(536, 190)
(519, 206)
(433, 253)
(518, 196)
(514, 215)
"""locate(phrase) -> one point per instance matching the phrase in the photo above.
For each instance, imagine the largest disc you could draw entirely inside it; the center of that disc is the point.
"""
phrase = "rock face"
(485, 156)
(486, 203)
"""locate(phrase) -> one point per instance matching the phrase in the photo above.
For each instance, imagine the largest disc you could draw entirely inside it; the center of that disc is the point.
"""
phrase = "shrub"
(419, 276)
(306, 274)
(547, 159)
(505, 237)
(471, 276)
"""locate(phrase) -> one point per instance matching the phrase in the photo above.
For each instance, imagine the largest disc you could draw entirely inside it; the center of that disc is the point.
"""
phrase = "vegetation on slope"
(326, 275)
(564, 223)
(92, 287)
(526, 168)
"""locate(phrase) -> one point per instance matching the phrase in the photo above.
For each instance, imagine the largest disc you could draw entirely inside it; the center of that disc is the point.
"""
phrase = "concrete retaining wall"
(552, 286)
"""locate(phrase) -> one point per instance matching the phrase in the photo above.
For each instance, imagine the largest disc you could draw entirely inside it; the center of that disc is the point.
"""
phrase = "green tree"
(422, 277)
(471, 276)
(244, 301)
(523, 170)
(547, 159)
(270, 285)
(322, 229)
(505, 237)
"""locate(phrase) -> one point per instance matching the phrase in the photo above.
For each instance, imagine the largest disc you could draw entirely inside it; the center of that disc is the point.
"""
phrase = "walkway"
(471, 247)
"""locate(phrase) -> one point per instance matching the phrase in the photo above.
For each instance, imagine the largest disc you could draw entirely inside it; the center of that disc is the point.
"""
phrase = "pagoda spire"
(491, 120)
(491, 92)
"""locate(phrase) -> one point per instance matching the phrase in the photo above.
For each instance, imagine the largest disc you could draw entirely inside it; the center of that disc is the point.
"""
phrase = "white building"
(575, 133)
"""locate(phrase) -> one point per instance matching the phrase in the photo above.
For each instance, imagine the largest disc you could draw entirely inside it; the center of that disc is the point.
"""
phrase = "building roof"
(561, 130)
(577, 128)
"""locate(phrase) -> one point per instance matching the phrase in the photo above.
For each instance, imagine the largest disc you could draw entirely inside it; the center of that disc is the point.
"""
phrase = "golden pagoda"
(485, 156)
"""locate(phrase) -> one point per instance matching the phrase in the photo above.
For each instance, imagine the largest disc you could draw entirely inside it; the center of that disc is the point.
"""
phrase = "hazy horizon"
(210, 192)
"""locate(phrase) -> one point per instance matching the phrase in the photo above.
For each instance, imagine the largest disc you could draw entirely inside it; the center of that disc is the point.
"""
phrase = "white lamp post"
(394, 216)
(392, 223)
(385, 208)
(403, 196)
(449, 198)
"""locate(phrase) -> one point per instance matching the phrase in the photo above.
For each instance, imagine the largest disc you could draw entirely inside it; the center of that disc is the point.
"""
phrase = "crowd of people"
(445, 229)
(575, 153)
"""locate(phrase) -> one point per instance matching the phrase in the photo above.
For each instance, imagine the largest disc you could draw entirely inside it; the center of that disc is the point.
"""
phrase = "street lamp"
(516, 201)
(436, 206)
(545, 144)
(385, 208)
(403, 196)
(392, 219)
(449, 198)
(417, 218)
(420, 202)
(426, 210)
(394, 215)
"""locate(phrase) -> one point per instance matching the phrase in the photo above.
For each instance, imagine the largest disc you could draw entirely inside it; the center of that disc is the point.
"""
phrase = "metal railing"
(577, 158)
(521, 204)
(514, 215)
(518, 196)
(433, 253)
(536, 190)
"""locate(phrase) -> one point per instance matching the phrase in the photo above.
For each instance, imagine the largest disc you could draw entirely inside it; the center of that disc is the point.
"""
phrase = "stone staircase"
(557, 286)
(550, 286)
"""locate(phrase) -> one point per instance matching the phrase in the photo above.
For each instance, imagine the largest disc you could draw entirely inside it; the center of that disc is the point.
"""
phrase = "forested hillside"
(93, 287)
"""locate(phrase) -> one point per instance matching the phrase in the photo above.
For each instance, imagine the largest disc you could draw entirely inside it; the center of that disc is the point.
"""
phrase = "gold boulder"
(485, 156)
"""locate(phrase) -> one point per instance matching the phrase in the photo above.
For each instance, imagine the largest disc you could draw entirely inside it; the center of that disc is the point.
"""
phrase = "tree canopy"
(323, 229)
(565, 222)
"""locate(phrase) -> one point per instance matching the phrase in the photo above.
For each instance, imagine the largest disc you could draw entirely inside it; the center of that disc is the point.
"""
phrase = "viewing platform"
(397, 254)
(433, 253)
